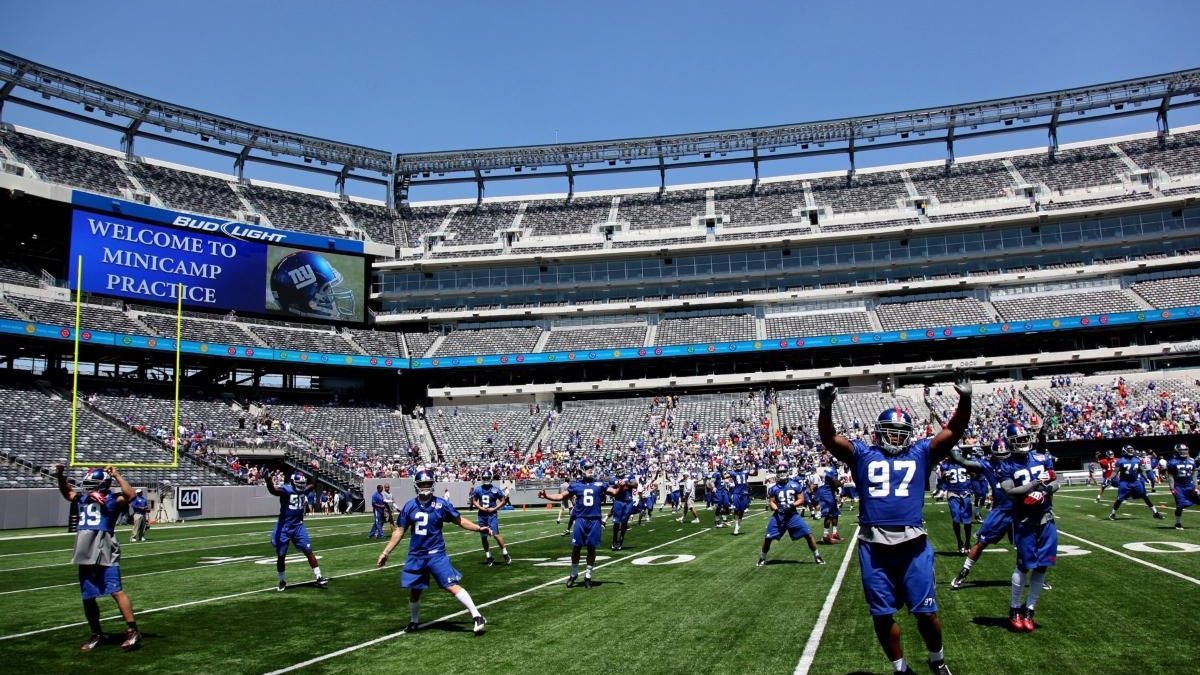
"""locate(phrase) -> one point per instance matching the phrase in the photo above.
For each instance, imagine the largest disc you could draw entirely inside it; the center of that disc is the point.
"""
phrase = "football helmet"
(299, 480)
(894, 430)
(304, 283)
(424, 481)
(588, 469)
(1182, 450)
(1128, 451)
(1109, 454)
(782, 473)
(96, 480)
(1017, 438)
(486, 478)
(1000, 449)
(619, 469)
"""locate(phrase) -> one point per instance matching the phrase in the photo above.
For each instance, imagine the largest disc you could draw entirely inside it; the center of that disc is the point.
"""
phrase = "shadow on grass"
(989, 583)
(991, 622)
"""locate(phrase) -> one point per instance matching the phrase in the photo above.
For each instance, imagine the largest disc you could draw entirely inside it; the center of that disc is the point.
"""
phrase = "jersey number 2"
(421, 525)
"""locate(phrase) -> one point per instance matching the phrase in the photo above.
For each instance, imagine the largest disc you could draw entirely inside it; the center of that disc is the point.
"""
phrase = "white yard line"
(1139, 561)
(392, 636)
(236, 595)
(814, 638)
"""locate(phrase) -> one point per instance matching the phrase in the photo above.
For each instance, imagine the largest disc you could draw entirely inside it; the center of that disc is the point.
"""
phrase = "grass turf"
(206, 605)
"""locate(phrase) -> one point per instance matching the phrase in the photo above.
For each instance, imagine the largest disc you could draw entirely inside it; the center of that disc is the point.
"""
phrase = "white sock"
(504, 551)
(488, 554)
(825, 531)
(465, 598)
(588, 572)
(1036, 579)
(900, 665)
(574, 570)
(968, 564)
(414, 611)
(1018, 585)
(835, 529)
(281, 576)
(316, 572)
(938, 656)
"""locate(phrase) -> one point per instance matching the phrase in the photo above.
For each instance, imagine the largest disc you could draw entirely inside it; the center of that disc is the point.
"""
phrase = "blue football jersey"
(1033, 466)
(488, 497)
(424, 522)
(1183, 470)
(785, 495)
(624, 492)
(588, 497)
(97, 515)
(378, 502)
(741, 482)
(1129, 469)
(291, 505)
(891, 487)
(956, 478)
(719, 483)
(830, 477)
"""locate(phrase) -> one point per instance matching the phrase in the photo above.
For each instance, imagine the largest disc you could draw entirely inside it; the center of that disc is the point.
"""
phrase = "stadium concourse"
(653, 353)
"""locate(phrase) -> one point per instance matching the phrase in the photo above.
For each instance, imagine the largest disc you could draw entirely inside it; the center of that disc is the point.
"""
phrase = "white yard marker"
(814, 638)
(1139, 561)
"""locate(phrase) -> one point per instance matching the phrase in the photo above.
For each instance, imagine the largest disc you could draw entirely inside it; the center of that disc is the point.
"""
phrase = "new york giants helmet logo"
(306, 284)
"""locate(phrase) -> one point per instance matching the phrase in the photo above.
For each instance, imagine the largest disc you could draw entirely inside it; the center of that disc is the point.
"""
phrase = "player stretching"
(895, 556)
(1131, 481)
(959, 495)
(739, 496)
(488, 500)
(719, 486)
(588, 493)
(623, 484)
(830, 509)
(379, 508)
(1107, 464)
(784, 498)
(1181, 470)
(97, 552)
(424, 515)
(290, 528)
(1028, 479)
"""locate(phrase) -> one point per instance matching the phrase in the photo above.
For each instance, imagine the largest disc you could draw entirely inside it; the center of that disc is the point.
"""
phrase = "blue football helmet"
(424, 481)
(305, 284)
(486, 478)
(1000, 449)
(782, 473)
(1017, 438)
(588, 469)
(894, 430)
(1182, 451)
(1128, 451)
(299, 480)
(96, 480)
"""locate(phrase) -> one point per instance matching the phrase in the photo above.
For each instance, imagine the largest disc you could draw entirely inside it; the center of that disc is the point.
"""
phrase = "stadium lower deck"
(678, 598)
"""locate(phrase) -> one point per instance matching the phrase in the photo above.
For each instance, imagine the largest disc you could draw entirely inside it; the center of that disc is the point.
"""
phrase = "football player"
(895, 556)
(488, 500)
(718, 484)
(290, 529)
(425, 515)
(1107, 464)
(959, 495)
(380, 511)
(827, 499)
(588, 493)
(687, 498)
(97, 552)
(1131, 482)
(1181, 470)
(646, 498)
(1027, 477)
(739, 496)
(783, 499)
(624, 484)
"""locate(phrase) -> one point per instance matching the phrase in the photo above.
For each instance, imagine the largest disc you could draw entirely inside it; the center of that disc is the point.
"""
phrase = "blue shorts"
(673, 497)
(898, 575)
(741, 503)
(621, 511)
(979, 488)
(586, 532)
(849, 492)
(1037, 545)
(960, 508)
(99, 580)
(997, 524)
(1127, 490)
(418, 569)
(489, 520)
(281, 537)
(1186, 498)
(828, 503)
(794, 526)
(649, 500)
(721, 499)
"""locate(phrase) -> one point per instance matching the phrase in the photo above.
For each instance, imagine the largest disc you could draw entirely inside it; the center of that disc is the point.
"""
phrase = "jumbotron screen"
(147, 263)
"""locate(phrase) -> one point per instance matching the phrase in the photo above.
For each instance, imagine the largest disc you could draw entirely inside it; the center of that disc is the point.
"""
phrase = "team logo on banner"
(658, 351)
(520, 358)
(349, 360)
(570, 356)
(1004, 328)
(1141, 316)
(304, 356)
(854, 339)
(204, 348)
(903, 335)
(231, 351)
(1103, 319)
(387, 362)
(1083, 321)
(126, 340)
(833, 340)
(616, 353)
(757, 344)
(799, 342)
(1166, 314)
(65, 333)
(877, 337)
(1055, 323)
(946, 332)
(983, 329)
(783, 344)
(712, 348)
(503, 358)
(249, 351)
(642, 352)
(30, 328)
(929, 333)
(691, 349)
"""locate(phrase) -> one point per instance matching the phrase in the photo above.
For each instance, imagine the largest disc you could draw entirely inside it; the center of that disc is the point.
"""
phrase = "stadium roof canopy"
(1158, 94)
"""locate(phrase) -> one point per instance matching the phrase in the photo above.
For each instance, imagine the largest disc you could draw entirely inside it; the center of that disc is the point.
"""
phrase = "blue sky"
(429, 76)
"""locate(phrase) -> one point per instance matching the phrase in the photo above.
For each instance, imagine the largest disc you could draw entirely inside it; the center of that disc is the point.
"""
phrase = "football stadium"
(263, 389)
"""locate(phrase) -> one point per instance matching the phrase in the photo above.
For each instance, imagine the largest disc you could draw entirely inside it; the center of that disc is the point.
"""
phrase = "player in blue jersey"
(379, 509)
(718, 482)
(290, 529)
(784, 498)
(1131, 482)
(827, 491)
(1181, 470)
(424, 515)
(739, 495)
(97, 552)
(959, 496)
(588, 492)
(979, 484)
(624, 484)
(1027, 477)
(488, 500)
(895, 556)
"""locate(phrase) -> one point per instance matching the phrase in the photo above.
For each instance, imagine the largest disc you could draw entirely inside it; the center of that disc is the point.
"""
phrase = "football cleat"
(1112, 516)
(489, 562)
(587, 581)
(282, 586)
(1158, 515)
(321, 582)
(1046, 586)
(412, 627)
(1029, 624)
(507, 559)
(571, 580)
(957, 581)
(480, 622)
(761, 562)
(133, 640)
(818, 559)
(1016, 622)
(939, 668)
(1179, 526)
(92, 642)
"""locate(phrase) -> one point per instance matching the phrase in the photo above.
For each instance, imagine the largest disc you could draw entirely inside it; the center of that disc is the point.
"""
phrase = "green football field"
(678, 599)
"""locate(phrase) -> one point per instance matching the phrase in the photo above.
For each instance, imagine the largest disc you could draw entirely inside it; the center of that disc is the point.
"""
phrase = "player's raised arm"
(64, 487)
(270, 483)
(956, 456)
(839, 446)
(945, 440)
(126, 489)
(556, 497)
